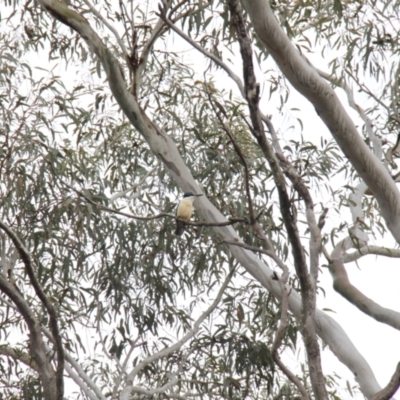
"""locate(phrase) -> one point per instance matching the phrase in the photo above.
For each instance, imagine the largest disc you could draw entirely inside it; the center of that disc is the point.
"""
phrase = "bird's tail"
(179, 228)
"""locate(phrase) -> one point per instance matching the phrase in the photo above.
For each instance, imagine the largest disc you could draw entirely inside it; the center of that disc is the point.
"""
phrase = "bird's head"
(190, 194)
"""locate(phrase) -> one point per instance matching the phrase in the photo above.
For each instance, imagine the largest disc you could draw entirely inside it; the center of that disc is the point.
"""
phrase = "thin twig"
(205, 52)
(231, 220)
(110, 27)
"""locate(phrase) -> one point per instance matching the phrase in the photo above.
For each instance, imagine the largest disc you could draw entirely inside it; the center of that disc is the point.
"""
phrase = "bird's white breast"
(185, 208)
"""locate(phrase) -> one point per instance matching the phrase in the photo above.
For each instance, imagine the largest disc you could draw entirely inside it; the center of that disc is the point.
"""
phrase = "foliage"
(125, 288)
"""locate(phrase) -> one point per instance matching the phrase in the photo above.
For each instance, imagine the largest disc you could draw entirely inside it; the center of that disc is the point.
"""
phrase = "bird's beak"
(198, 195)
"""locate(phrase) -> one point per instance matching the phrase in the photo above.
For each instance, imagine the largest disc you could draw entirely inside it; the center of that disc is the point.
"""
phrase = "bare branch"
(388, 391)
(19, 355)
(342, 285)
(376, 250)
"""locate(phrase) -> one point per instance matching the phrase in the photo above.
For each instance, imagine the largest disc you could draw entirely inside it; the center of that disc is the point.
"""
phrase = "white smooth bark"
(165, 149)
(307, 81)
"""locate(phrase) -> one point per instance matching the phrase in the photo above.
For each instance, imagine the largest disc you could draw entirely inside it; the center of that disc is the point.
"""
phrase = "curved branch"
(342, 285)
(388, 391)
(376, 250)
(37, 348)
(26, 258)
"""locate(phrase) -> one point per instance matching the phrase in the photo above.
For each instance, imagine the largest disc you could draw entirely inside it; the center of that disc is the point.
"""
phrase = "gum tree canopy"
(110, 110)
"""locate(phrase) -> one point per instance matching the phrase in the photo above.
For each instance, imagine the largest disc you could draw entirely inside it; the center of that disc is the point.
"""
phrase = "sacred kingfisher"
(185, 210)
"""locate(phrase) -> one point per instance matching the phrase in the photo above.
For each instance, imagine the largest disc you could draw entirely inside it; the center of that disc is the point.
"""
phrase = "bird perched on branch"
(185, 211)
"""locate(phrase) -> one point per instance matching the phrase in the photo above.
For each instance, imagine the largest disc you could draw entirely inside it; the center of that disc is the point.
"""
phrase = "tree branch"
(26, 258)
(306, 284)
(315, 233)
(37, 349)
(377, 250)
(342, 285)
(231, 220)
(19, 355)
(391, 388)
